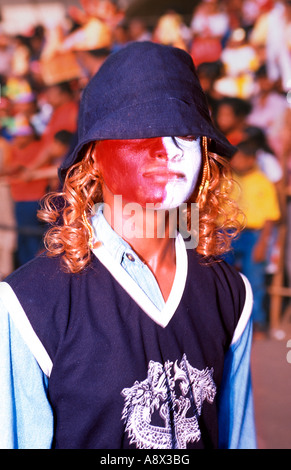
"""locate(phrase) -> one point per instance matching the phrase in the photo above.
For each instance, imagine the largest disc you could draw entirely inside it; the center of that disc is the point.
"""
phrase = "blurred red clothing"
(235, 136)
(64, 117)
(26, 190)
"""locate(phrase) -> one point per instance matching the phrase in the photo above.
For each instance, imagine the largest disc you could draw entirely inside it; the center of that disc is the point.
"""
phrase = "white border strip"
(28, 334)
(246, 313)
(164, 316)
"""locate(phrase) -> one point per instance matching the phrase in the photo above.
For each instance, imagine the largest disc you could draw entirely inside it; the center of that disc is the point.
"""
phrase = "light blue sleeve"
(236, 410)
(26, 418)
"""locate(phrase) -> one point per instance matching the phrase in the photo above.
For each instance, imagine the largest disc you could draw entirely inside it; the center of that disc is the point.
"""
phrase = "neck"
(151, 234)
(147, 230)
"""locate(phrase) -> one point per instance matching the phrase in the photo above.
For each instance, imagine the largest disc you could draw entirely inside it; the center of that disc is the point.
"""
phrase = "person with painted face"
(125, 334)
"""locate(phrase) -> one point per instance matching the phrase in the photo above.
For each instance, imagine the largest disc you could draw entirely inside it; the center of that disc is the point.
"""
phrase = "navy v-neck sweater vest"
(119, 380)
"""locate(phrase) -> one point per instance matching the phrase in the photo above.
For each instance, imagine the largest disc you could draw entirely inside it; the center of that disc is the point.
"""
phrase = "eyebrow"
(175, 142)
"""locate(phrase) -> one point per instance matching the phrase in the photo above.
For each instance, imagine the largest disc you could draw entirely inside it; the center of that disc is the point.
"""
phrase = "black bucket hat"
(145, 90)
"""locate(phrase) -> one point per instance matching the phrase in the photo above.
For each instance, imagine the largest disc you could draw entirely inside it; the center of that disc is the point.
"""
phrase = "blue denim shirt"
(121, 251)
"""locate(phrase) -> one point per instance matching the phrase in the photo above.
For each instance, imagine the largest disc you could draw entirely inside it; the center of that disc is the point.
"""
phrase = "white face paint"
(184, 161)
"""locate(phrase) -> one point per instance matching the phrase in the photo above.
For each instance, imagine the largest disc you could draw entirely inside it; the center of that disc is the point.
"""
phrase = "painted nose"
(165, 148)
(173, 151)
(157, 149)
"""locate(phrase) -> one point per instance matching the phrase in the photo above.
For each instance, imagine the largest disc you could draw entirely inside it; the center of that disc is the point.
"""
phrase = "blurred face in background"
(243, 163)
(225, 118)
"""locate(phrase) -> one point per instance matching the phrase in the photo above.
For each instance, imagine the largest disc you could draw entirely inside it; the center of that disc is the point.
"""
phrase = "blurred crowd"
(242, 51)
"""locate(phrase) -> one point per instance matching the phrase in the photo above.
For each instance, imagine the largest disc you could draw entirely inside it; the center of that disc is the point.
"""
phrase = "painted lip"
(163, 173)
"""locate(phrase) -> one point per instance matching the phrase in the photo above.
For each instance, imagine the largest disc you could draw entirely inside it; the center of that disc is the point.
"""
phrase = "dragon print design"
(179, 414)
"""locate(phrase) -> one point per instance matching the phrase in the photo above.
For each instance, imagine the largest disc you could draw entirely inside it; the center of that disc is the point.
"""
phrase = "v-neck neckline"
(161, 317)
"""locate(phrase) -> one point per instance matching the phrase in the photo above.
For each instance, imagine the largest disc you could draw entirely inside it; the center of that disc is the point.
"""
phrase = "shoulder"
(223, 276)
(234, 290)
(225, 289)
(41, 274)
(37, 297)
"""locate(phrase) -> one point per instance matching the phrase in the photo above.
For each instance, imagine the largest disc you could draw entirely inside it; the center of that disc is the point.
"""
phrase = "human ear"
(94, 153)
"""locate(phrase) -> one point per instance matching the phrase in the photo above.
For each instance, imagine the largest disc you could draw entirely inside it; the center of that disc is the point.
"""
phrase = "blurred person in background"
(257, 198)
(91, 60)
(6, 117)
(209, 25)
(57, 151)
(268, 108)
(6, 54)
(278, 43)
(210, 19)
(64, 116)
(21, 56)
(7, 217)
(209, 73)
(25, 194)
(267, 161)
(138, 30)
(240, 61)
(120, 37)
(231, 116)
(271, 166)
(171, 30)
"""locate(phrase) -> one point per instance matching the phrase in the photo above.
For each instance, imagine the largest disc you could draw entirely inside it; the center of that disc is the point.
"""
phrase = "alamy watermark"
(131, 220)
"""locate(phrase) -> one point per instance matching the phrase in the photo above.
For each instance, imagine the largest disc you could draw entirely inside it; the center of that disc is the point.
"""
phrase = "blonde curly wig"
(70, 234)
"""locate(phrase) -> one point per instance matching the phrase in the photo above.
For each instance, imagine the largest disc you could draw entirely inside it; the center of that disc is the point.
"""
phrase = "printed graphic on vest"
(155, 416)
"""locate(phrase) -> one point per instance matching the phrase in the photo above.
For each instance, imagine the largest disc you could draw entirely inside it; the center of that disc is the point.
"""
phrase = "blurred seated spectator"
(257, 198)
(240, 62)
(209, 19)
(209, 25)
(96, 22)
(91, 60)
(171, 31)
(208, 73)
(65, 109)
(273, 30)
(235, 13)
(120, 37)
(6, 119)
(64, 117)
(23, 99)
(21, 56)
(7, 219)
(57, 150)
(25, 194)
(268, 107)
(285, 157)
(105, 10)
(138, 31)
(231, 117)
(270, 165)
(267, 161)
(37, 41)
(18, 89)
(86, 36)
(6, 54)
(258, 33)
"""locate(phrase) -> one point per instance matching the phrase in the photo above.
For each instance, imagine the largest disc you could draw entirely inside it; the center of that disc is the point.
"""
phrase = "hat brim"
(124, 124)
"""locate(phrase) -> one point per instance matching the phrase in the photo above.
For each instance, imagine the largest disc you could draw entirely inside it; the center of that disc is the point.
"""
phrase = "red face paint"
(140, 169)
(123, 163)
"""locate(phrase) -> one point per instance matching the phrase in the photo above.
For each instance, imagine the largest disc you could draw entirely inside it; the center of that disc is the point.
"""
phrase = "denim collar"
(112, 242)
